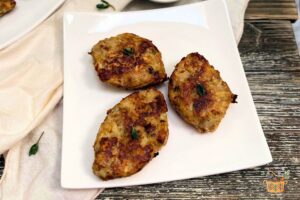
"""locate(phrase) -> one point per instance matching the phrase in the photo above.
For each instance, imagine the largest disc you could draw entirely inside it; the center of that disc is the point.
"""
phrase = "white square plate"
(23, 18)
(239, 141)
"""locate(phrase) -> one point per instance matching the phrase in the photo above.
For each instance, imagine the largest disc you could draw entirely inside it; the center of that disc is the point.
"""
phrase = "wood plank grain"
(272, 9)
(272, 65)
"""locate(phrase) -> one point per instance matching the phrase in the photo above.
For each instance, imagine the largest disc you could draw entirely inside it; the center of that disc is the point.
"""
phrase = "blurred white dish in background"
(25, 17)
(164, 1)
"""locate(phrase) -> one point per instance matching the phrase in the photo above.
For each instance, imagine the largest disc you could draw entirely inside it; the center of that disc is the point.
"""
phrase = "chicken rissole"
(198, 93)
(128, 61)
(131, 135)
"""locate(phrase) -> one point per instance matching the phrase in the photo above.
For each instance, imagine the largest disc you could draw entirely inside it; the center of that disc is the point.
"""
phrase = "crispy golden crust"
(128, 61)
(198, 93)
(131, 135)
(6, 6)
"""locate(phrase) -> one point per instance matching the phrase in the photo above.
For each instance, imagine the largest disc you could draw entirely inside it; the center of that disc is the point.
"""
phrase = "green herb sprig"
(134, 134)
(104, 5)
(35, 147)
(200, 90)
(128, 51)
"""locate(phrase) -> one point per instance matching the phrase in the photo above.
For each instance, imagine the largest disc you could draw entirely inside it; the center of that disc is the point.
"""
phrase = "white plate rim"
(270, 159)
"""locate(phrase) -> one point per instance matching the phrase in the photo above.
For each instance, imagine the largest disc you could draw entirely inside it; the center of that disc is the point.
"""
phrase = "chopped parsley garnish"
(104, 5)
(128, 51)
(200, 90)
(35, 147)
(134, 134)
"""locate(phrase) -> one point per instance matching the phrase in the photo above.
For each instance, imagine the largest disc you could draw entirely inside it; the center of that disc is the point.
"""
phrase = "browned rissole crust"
(128, 61)
(6, 6)
(198, 93)
(131, 135)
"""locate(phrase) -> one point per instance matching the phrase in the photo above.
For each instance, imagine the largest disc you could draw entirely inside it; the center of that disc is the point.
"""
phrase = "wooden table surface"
(272, 65)
(272, 9)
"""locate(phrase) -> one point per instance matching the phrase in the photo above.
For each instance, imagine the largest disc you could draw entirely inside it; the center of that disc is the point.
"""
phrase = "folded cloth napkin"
(30, 88)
